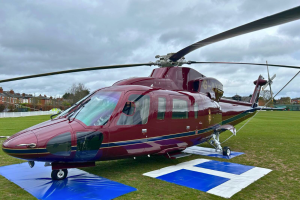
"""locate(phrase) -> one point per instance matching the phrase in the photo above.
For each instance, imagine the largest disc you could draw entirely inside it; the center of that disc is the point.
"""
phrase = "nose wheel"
(59, 174)
(226, 151)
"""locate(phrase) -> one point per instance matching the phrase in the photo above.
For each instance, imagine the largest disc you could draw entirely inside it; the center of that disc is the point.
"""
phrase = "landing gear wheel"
(226, 151)
(59, 174)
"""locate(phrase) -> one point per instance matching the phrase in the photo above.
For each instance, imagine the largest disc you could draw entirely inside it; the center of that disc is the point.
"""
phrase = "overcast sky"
(45, 36)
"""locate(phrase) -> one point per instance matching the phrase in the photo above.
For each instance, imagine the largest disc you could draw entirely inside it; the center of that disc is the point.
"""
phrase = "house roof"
(3, 95)
(8, 94)
(246, 99)
(15, 95)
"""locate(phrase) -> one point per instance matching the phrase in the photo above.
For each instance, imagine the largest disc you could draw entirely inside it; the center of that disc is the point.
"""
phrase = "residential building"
(284, 100)
(3, 96)
(44, 100)
(295, 101)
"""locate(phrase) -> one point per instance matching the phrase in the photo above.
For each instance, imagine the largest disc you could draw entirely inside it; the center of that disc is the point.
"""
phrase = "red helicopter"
(172, 109)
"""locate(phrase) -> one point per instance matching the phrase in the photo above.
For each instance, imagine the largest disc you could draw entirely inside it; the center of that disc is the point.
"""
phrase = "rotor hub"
(164, 61)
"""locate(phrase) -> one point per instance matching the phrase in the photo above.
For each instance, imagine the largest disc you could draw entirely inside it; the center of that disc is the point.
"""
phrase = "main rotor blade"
(76, 70)
(238, 63)
(266, 22)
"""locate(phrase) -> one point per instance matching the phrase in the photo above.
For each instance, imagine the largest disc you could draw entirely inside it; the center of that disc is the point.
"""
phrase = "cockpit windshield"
(66, 112)
(99, 109)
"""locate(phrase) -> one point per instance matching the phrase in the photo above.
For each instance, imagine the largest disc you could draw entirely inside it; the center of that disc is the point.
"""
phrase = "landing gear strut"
(215, 142)
(59, 174)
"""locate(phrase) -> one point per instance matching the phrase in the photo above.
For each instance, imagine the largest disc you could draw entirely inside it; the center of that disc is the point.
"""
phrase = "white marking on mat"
(237, 183)
(227, 189)
(174, 168)
(211, 172)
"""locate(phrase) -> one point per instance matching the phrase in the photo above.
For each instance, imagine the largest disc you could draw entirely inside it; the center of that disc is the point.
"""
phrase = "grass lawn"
(270, 140)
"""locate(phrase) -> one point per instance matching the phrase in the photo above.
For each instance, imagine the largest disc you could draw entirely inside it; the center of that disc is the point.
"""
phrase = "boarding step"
(178, 155)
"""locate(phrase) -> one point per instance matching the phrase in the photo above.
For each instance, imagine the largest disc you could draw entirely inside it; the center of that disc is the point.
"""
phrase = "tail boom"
(258, 83)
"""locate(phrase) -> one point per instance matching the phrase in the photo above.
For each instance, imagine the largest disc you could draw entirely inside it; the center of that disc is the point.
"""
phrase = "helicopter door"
(128, 136)
(160, 124)
(182, 120)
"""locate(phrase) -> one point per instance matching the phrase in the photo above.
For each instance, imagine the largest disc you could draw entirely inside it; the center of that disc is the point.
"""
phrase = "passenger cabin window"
(180, 109)
(60, 145)
(135, 111)
(196, 110)
(161, 108)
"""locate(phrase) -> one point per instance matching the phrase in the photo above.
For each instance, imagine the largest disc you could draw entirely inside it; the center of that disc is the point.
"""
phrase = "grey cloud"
(44, 36)
(177, 36)
(239, 49)
(290, 30)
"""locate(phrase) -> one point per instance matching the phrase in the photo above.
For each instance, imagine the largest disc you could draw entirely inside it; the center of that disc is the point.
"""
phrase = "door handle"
(187, 128)
(144, 131)
(32, 145)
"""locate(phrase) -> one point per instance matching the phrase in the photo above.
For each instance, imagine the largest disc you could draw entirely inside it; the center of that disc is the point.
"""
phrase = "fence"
(291, 107)
(26, 114)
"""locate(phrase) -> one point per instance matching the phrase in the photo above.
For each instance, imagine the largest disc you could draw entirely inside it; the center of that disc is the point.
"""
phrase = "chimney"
(45, 96)
(23, 94)
(11, 92)
(1, 90)
(51, 97)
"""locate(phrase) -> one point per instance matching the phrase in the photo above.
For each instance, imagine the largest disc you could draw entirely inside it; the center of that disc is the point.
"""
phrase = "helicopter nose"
(20, 144)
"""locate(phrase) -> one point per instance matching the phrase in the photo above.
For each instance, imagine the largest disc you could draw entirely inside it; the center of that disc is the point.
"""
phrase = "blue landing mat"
(233, 154)
(208, 176)
(191, 179)
(78, 185)
(232, 168)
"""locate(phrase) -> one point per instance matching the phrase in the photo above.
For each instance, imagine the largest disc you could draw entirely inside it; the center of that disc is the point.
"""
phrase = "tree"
(285, 100)
(67, 95)
(34, 102)
(266, 96)
(2, 107)
(66, 104)
(76, 92)
(11, 107)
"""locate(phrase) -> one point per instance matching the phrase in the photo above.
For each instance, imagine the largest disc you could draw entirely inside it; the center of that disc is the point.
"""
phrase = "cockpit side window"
(136, 112)
(98, 110)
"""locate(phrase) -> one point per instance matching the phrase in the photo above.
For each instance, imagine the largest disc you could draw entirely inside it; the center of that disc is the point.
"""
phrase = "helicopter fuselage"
(156, 115)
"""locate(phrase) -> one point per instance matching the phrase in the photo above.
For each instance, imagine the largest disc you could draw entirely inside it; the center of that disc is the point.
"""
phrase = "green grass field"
(270, 140)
